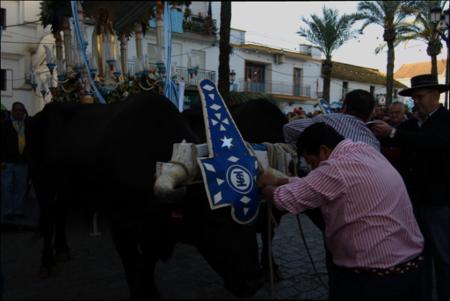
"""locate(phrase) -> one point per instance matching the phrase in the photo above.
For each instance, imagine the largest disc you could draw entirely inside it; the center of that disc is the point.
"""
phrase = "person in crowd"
(358, 107)
(4, 116)
(379, 113)
(14, 168)
(351, 123)
(370, 229)
(300, 112)
(396, 117)
(424, 146)
(396, 114)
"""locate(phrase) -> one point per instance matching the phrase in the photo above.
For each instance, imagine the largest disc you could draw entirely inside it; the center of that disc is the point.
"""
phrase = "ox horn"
(181, 169)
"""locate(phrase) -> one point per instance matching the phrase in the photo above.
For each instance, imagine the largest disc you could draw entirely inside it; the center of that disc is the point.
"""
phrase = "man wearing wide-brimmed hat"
(424, 166)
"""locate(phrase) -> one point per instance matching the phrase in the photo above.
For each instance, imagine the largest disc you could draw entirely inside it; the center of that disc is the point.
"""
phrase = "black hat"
(423, 81)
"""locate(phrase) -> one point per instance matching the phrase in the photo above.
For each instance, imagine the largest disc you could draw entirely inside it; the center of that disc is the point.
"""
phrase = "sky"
(275, 24)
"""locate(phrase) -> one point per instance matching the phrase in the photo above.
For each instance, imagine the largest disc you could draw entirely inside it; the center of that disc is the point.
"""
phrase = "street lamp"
(441, 25)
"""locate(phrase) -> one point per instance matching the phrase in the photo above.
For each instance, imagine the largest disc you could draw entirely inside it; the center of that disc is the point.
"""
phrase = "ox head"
(230, 248)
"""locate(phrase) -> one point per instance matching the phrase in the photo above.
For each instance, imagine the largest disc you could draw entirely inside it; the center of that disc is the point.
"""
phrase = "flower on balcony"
(200, 24)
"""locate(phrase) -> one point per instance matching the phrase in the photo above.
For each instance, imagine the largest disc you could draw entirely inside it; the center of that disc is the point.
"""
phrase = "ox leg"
(265, 256)
(62, 252)
(265, 266)
(45, 198)
(139, 269)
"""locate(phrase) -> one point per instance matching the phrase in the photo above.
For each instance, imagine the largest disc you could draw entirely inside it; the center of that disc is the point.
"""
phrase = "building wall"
(379, 91)
(279, 77)
(19, 43)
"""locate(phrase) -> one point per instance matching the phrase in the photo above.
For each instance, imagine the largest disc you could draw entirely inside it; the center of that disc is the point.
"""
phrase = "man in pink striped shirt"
(370, 230)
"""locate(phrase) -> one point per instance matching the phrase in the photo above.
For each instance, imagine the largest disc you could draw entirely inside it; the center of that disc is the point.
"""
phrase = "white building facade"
(292, 77)
(19, 42)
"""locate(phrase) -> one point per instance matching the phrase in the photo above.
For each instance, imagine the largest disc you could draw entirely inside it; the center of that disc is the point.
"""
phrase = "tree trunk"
(390, 73)
(225, 49)
(434, 70)
(433, 49)
(447, 75)
(326, 71)
(389, 37)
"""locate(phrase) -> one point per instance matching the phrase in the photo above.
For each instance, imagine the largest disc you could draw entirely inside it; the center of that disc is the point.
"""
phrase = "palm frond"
(329, 31)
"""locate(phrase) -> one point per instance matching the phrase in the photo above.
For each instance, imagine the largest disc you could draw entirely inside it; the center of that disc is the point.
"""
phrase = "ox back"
(105, 156)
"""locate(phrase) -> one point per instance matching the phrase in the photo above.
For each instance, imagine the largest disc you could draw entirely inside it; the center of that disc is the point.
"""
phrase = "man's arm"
(320, 186)
(406, 137)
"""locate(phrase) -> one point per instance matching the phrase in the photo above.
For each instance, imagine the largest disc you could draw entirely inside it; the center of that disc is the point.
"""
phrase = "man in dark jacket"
(14, 168)
(424, 167)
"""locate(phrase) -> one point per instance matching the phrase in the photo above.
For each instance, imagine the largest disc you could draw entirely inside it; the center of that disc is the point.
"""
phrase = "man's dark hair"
(18, 103)
(359, 103)
(314, 136)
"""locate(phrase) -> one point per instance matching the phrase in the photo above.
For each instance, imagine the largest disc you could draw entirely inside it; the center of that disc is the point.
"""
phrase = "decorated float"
(89, 60)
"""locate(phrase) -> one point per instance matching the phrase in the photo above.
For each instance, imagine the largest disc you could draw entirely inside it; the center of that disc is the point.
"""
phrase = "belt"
(401, 268)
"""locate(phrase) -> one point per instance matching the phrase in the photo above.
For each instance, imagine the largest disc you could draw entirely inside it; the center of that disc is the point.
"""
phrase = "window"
(3, 79)
(153, 54)
(6, 82)
(3, 19)
(372, 90)
(254, 77)
(344, 89)
(198, 58)
(254, 72)
(297, 82)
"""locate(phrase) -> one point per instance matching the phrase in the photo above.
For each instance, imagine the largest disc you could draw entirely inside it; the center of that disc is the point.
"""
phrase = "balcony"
(182, 73)
(275, 88)
(200, 25)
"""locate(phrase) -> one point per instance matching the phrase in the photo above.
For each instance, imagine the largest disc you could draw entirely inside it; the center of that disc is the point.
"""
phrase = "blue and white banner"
(325, 106)
(230, 171)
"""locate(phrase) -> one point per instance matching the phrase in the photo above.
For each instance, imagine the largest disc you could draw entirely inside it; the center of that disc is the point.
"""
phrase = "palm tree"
(391, 16)
(424, 29)
(225, 49)
(328, 33)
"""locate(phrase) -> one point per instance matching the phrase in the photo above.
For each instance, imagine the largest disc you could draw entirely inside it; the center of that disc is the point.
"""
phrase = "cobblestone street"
(95, 272)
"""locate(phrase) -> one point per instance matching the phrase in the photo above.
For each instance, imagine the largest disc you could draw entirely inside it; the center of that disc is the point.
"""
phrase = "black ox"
(105, 155)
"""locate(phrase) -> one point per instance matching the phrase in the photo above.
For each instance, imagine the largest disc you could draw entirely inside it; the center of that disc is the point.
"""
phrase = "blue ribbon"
(170, 88)
(76, 22)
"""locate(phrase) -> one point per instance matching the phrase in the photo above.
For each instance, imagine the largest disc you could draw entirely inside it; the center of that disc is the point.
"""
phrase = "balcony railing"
(275, 88)
(200, 25)
(182, 73)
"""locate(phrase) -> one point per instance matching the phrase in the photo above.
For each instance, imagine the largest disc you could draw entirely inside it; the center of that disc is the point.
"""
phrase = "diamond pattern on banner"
(230, 172)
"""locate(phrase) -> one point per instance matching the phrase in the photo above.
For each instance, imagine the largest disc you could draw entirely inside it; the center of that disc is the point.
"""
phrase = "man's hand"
(267, 192)
(381, 129)
(272, 177)
(266, 178)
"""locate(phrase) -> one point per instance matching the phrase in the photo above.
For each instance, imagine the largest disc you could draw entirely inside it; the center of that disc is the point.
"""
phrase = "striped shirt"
(347, 125)
(367, 211)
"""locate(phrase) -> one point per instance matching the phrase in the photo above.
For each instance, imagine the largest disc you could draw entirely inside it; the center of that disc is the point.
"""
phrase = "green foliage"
(53, 13)
(237, 98)
(387, 14)
(422, 27)
(328, 32)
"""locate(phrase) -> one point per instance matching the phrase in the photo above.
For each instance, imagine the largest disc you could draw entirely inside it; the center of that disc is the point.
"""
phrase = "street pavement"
(95, 271)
